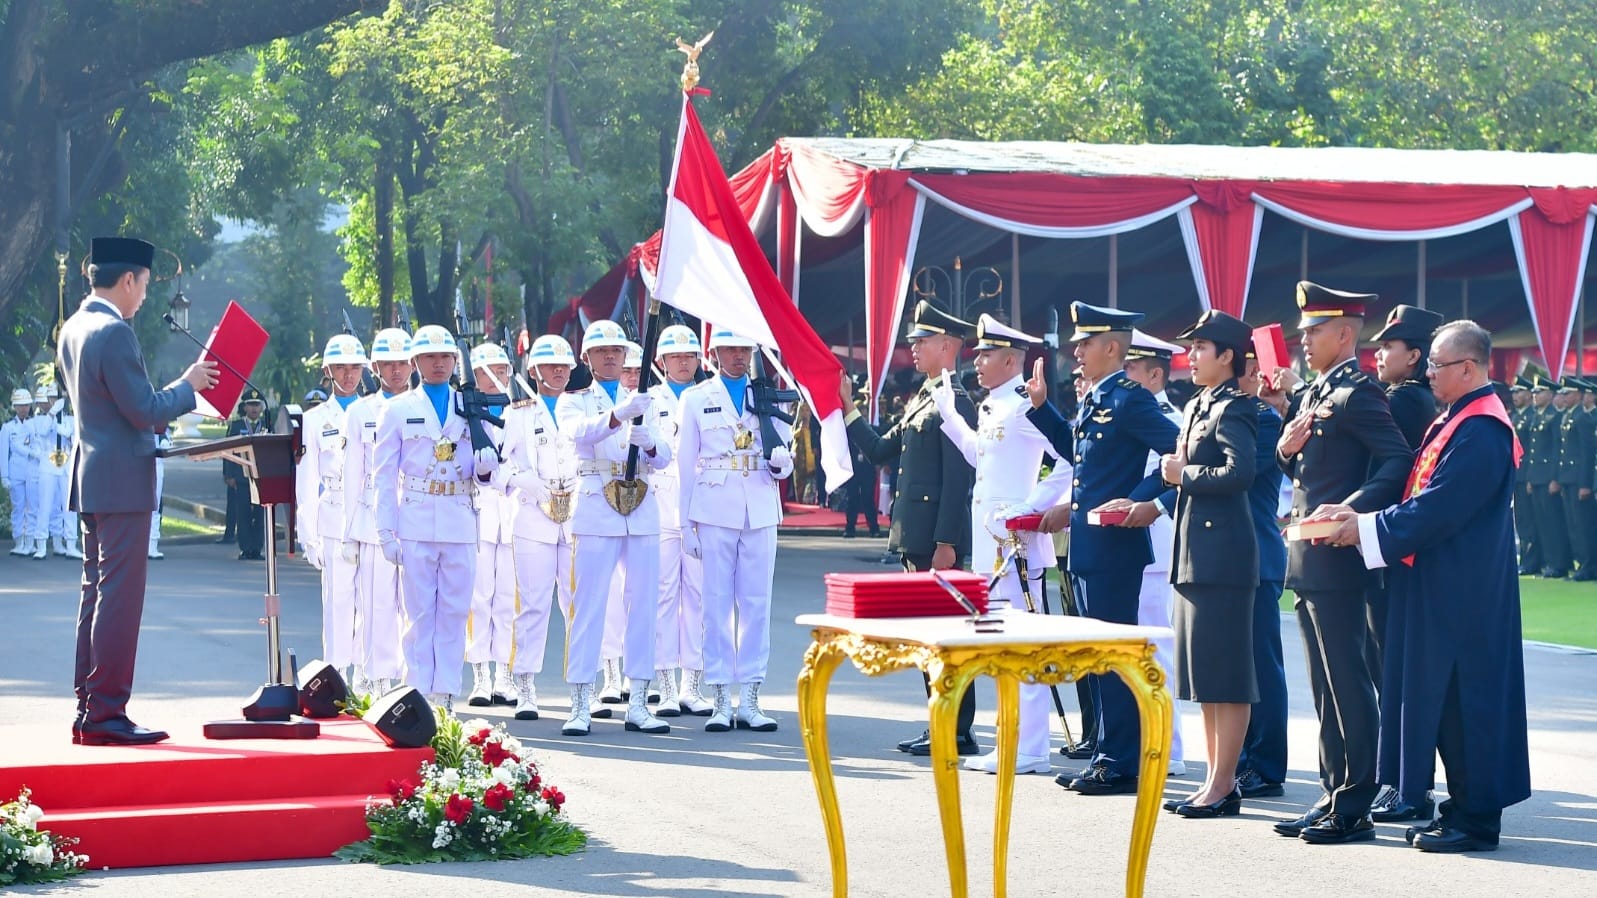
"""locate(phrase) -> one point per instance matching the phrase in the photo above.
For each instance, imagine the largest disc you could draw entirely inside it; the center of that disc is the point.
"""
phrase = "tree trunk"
(383, 212)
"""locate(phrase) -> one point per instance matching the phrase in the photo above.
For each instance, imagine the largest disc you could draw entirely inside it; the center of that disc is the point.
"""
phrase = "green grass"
(171, 526)
(213, 430)
(1550, 611)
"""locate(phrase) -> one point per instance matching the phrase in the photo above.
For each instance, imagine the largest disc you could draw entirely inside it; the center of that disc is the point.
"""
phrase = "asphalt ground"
(704, 814)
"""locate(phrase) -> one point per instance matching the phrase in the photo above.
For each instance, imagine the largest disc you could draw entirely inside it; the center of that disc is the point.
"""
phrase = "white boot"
(579, 724)
(526, 697)
(721, 718)
(610, 693)
(71, 550)
(21, 546)
(693, 701)
(665, 678)
(443, 701)
(155, 553)
(506, 691)
(639, 720)
(482, 685)
(749, 716)
(58, 546)
(380, 687)
(41, 549)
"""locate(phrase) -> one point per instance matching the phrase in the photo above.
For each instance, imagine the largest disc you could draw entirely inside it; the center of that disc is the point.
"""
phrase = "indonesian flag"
(712, 267)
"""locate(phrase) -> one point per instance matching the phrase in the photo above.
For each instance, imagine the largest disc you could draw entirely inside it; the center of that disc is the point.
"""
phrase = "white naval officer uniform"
(319, 504)
(493, 598)
(54, 432)
(679, 627)
(379, 605)
(1155, 600)
(22, 453)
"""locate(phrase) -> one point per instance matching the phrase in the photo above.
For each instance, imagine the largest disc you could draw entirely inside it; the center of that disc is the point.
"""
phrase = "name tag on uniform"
(537, 430)
(371, 424)
(713, 408)
(664, 413)
(415, 420)
(330, 432)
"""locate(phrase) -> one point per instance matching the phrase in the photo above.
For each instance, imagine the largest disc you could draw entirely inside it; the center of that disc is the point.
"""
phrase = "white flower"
(35, 814)
(41, 854)
(476, 725)
(511, 744)
(504, 775)
(449, 779)
(540, 807)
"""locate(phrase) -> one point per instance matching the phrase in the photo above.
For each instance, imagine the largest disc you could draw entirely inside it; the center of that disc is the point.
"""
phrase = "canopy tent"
(1167, 230)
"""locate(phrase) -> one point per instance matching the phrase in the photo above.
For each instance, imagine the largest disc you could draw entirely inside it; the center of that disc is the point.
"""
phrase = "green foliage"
(29, 854)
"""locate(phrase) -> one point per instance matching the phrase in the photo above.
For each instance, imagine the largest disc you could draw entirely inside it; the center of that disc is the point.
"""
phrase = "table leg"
(1008, 745)
(944, 706)
(820, 662)
(1146, 681)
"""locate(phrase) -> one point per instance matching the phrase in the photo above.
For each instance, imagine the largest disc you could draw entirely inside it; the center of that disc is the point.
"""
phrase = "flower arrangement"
(29, 854)
(478, 800)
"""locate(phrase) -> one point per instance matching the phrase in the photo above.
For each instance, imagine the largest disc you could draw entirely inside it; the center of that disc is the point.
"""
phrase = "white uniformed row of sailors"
(35, 448)
(434, 556)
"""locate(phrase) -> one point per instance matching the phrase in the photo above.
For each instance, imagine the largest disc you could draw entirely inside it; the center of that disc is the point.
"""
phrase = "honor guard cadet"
(251, 516)
(163, 441)
(319, 494)
(493, 602)
(1340, 446)
(1541, 457)
(730, 507)
(1574, 474)
(931, 511)
(22, 452)
(616, 521)
(55, 526)
(614, 689)
(1006, 452)
(1108, 441)
(539, 473)
(379, 607)
(679, 627)
(1148, 363)
(426, 476)
(1530, 550)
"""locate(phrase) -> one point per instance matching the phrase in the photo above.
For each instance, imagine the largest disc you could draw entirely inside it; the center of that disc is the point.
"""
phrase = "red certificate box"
(1026, 522)
(236, 345)
(1111, 518)
(1269, 345)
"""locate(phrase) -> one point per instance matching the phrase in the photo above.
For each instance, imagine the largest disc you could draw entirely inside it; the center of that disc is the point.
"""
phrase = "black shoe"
(1295, 827)
(1552, 573)
(1446, 840)
(1080, 751)
(1252, 785)
(1070, 776)
(876, 534)
(1175, 804)
(1101, 781)
(1580, 576)
(964, 744)
(119, 732)
(1435, 826)
(907, 743)
(1335, 829)
(77, 728)
(848, 534)
(1229, 806)
(1393, 809)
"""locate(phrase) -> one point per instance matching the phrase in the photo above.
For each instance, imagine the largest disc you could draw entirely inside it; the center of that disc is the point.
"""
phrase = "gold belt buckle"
(435, 488)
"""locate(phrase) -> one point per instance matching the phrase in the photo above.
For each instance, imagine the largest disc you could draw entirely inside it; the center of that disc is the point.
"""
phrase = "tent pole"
(1303, 257)
(1114, 271)
(1014, 279)
(1463, 294)
(1419, 277)
(1580, 334)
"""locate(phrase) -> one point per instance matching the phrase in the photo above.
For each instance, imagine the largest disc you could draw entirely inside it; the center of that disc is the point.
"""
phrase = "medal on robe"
(444, 450)
(744, 438)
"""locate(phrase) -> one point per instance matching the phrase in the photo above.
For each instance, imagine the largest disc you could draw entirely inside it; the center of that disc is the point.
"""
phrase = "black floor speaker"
(403, 718)
(321, 690)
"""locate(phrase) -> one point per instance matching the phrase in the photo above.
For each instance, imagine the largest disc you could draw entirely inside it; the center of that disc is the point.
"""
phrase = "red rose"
(533, 782)
(497, 796)
(554, 796)
(457, 809)
(494, 754)
(481, 737)
(401, 789)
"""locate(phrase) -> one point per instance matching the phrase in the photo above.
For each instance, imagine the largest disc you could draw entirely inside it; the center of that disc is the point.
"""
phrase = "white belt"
(333, 484)
(440, 487)
(614, 470)
(731, 463)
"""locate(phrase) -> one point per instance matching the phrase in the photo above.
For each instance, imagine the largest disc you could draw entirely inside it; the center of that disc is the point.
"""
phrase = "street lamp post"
(986, 281)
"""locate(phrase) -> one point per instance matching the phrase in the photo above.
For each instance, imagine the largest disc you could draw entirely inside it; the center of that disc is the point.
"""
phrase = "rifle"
(475, 405)
(765, 400)
(368, 380)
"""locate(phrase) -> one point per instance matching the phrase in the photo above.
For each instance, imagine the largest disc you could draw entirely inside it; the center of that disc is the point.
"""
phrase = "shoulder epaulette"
(1128, 383)
(1020, 389)
(521, 403)
(1166, 407)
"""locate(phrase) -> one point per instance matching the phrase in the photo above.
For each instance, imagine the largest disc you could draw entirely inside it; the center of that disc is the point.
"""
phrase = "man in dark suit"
(113, 480)
(1340, 447)
(931, 508)
(1530, 547)
(251, 518)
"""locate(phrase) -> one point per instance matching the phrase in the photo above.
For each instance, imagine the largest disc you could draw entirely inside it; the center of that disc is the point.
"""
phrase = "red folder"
(237, 341)
(1269, 344)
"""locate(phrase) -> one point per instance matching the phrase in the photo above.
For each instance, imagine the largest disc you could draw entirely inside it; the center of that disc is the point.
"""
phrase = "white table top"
(1019, 628)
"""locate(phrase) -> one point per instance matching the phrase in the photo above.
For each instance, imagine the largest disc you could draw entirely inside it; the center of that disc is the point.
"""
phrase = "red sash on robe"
(1431, 448)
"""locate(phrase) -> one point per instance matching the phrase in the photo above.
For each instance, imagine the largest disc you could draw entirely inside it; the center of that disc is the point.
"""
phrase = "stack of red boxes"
(902, 594)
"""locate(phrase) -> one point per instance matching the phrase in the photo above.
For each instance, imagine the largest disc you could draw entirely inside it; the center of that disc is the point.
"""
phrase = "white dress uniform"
(163, 440)
(679, 626)
(493, 597)
(1155, 600)
(319, 491)
(605, 538)
(379, 605)
(22, 454)
(426, 483)
(730, 496)
(1007, 450)
(54, 522)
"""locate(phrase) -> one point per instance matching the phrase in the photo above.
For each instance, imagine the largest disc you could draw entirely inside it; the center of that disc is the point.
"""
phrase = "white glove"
(1005, 512)
(349, 550)
(943, 395)
(390, 545)
(781, 461)
(640, 437)
(631, 407)
(487, 460)
(690, 541)
(312, 556)
(530, 488)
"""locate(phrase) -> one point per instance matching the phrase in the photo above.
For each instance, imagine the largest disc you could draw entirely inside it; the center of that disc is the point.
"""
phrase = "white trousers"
(1154, 609)
(597, 557)
(155, 516)
(1036, 705)
(679, 627)
(379, 615)
(50, 519)
(24, 493)
(737, 602)
(543, 573)
(615, 615)
(437, 580)
(340, 639)
(493, 604)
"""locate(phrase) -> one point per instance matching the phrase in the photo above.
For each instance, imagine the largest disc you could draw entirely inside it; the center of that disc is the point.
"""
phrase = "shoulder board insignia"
(712, 408)
(1262, 405)
(521, 403)
(1128, 383)
(1166, 407)
(1020, 389)
(415, 420)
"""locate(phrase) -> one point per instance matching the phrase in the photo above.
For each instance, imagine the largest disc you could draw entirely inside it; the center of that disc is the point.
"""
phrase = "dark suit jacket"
(1574, 449)
(1214, 544)
(1413, 409)
(1541, 444)
(1264, 496)
(1355, 456)
(932, 504)
(113, 457)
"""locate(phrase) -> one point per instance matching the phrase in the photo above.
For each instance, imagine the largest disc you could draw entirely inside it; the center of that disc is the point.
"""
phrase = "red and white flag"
(712, 267)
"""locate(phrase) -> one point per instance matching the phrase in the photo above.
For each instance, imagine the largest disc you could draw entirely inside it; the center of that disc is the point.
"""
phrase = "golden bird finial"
(690, 69)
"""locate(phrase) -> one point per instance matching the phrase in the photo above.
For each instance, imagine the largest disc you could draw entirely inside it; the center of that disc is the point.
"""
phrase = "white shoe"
(481, 686)
(58, 546)
(505, 689)
(749, 716)
(41, 549)
(381, 687)
(22, 547)
(669, 706)
(988, 763)
(443, 701)
(526, 697)
(579, 724)
(691, 698)
(1177, 767)
(155, 554)
(639, 720)
(610, 693)
(721, 718)
(71, 550)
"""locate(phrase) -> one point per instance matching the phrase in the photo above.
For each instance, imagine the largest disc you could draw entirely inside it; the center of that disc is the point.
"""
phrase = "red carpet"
(197, 801)
(805, 517)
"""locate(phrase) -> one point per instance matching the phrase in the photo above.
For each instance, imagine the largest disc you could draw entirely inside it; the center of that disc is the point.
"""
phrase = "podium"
(268, 463)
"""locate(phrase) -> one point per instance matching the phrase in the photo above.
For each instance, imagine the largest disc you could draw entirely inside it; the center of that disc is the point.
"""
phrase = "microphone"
(172, 323)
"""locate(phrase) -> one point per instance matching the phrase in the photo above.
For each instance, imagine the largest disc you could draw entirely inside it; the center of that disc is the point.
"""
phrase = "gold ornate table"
(1032, 648)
